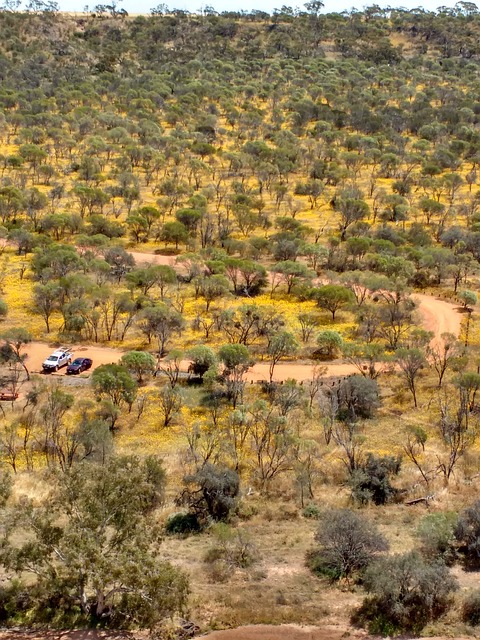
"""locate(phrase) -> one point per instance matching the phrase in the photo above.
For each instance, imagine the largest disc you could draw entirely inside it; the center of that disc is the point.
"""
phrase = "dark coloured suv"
(79, 365)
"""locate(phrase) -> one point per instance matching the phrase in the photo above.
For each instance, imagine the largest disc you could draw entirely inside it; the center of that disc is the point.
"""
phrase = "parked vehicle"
(59, 358)
(9, 396)
(79, 365)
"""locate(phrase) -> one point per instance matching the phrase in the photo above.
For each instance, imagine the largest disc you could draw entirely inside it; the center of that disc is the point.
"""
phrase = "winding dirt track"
(38, 351)
(436, 315)
(295, 371)
(293, 632)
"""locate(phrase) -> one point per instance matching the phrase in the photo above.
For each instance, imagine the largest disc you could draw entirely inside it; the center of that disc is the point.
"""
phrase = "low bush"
(182, 524)
(212, 492)
(406, 593)
(467, 534)
(436, 534)
(348, 544)
(471, 608)
(371, 481)
(232, 547)
(357, 397)
(312, 511)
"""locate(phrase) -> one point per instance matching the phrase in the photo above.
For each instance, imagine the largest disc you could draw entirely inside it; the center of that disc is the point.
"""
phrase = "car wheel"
(56, 368)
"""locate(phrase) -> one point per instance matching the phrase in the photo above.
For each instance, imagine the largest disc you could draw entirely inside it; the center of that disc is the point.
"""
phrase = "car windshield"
(52, 359)
(78, 361)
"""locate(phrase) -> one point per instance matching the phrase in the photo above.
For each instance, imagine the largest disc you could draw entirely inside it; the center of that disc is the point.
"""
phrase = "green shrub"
(348, 544)
(212, 492)
(316, 564)
(358, 397)
(183, 524)
(329, 344)
(370, 482)
(312, 511)
(233, 547)
(405, 593)
(436, 535)
(471, 608)
(467, 534)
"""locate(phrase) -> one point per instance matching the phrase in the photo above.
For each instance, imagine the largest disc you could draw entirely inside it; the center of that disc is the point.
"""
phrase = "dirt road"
(295, 371)
(438, 316)
(38, 351)
(152, 258)
(286, 632)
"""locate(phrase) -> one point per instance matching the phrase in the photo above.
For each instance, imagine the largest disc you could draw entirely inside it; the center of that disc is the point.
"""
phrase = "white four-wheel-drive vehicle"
(59, 358)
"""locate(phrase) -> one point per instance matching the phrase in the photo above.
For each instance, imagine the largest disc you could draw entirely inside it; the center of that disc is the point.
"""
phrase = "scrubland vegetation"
(265, 232)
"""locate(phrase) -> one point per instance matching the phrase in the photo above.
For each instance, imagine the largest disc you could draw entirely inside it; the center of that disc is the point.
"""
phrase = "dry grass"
(278, 588)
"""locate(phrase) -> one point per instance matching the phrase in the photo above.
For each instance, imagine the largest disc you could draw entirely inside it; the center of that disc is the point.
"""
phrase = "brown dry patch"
(286, 632)
(278, 589)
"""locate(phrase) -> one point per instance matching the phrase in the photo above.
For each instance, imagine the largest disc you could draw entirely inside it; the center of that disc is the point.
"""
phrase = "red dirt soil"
(438, 316)
(38, 351)
(153, 258)
(286, 632)
(254, 632)
(295, 371)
